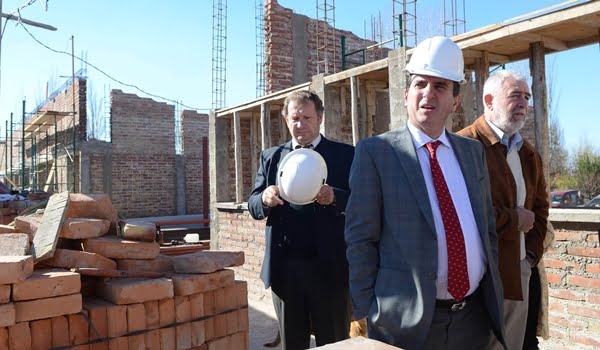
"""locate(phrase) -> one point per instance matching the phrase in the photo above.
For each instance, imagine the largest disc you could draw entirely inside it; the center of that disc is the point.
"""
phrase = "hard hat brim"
(315, 162)
(434, 73)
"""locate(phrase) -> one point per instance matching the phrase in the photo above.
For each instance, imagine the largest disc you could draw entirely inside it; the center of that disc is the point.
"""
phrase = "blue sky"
(164, 47)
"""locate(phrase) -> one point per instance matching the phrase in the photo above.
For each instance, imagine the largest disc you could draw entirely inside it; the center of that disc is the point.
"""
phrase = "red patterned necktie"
(458, 276)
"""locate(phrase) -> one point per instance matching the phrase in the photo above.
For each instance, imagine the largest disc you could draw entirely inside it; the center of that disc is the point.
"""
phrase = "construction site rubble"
(75, 277)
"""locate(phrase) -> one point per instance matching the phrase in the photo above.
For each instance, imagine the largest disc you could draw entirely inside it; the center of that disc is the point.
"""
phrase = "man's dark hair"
(455, 85)
(303, 96)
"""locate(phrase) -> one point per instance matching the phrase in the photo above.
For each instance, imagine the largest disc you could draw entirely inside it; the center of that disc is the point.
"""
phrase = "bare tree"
(96, 118)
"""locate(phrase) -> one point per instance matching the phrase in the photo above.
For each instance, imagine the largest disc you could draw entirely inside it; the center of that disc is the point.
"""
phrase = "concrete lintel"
(574, 215)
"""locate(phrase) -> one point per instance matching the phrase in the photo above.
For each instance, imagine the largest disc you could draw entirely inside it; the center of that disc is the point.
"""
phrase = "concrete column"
(354, 109)
(397, 79)
(180, 185)
(237, 147)
(537, 67)
(468, 101)
(330, 95)
(84, 173)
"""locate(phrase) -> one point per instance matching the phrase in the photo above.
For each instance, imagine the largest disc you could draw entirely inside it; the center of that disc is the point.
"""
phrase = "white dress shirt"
(476, 259)
(314, 142)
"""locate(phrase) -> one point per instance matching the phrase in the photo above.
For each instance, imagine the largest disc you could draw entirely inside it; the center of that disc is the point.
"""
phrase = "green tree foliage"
(587, 170)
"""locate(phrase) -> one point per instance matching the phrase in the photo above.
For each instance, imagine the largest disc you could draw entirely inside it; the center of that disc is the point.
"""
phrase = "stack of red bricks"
(194, 301)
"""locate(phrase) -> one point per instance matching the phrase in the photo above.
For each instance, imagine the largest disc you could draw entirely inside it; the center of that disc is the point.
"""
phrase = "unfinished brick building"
(139, 167)
(368, 100)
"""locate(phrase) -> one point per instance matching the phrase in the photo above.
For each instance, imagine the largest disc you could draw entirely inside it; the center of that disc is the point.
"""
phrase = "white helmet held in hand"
(438, 57)
(300, 176)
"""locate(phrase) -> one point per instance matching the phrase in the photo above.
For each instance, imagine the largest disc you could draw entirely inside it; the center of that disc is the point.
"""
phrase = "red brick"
(134, 290)
(209, 303)
(28, 224)
(97, 313)
(139, 231)
(168, 339)
(553, 278)
(584, 282)
(197, 305)
(19, 336)
(81, 228)
(586, 339)
(583, 311)
(592, 238)
(187, 284)
(15, 269)
(116, 248)
(183, 332)
(4, 339)
(41, 334)
(566, 294)
(209, 329)
(60, 331)
(166, 312)
(560, 264)
(241, 293)
(238, 340)
(162, 263)
(243, 319)
(222, 303)
(152, 339)
(136, 321)
(67, 259)
(48, 307)
(98, 206)
(7, 229)
(47, 283)
(152, 314)
(220, 325)
(592, 268)
(560, 235)
(182, 309)
(116, 318)
(594, 298)
(584, 251)
(198, 336)
(78, 329)
(7, 315)
(5, 291)
(571, 324)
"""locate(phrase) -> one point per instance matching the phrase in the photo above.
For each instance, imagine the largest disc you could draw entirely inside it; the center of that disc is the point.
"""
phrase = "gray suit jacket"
(391, 238)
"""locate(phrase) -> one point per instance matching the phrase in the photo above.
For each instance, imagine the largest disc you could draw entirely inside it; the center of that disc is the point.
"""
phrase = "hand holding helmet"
(270, 197)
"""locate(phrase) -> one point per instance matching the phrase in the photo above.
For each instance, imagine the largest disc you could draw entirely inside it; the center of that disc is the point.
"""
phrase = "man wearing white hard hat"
(518, 192)
(420, 229)
(302, 189)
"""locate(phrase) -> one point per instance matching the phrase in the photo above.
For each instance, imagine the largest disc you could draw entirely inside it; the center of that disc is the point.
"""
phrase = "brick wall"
(290, 61)
(573, 270)
(239, 232)
(194, 132)
(143, 156)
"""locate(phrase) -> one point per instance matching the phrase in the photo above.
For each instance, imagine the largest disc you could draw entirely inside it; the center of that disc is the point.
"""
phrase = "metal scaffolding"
(219, 53)
(259, 19)
(326, 38)
(38, 156)
(453, 24)
(404, 23)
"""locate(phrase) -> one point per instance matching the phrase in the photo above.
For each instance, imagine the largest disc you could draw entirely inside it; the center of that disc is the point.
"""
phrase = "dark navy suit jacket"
(331, 248)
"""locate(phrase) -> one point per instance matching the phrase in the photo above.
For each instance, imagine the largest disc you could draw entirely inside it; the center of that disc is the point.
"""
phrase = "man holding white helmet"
(305, 263)
(420, 229)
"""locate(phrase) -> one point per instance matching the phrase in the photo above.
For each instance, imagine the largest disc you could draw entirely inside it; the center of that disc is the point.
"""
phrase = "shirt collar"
(510, 142)
(420, 138)
(314, 142)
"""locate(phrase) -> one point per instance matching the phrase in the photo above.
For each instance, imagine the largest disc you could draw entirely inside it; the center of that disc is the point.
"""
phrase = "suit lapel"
(405, 150)
(466, 159)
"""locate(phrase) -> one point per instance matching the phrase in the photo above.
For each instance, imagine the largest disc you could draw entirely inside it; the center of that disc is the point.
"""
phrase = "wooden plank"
(537, 62)
(237, 148)
(46, 237)
(276, 96)
(354, 108)
(356, 71)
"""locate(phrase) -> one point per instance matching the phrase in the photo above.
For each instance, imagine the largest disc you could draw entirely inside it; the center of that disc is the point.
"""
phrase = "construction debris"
(81, 298)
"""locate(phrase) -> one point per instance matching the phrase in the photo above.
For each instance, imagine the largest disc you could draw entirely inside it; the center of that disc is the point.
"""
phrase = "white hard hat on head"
(438, 57)
(300, 176)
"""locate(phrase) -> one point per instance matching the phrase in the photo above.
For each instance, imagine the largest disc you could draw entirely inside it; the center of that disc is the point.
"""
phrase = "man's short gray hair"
(494, 82)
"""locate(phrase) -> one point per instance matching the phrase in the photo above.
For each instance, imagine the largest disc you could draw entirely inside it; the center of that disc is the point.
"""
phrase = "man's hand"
(270, 197)
(325, 195)
(526, 219)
